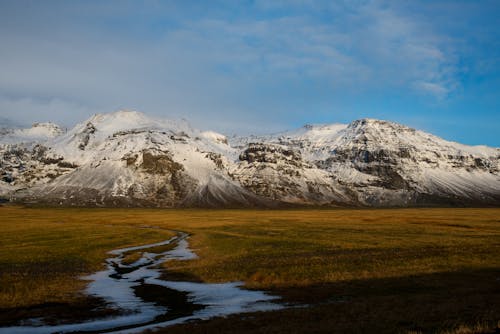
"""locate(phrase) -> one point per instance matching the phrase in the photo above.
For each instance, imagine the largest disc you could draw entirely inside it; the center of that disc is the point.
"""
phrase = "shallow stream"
(147, 302)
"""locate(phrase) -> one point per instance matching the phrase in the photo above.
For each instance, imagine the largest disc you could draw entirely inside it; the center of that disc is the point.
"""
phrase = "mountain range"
(126, 159)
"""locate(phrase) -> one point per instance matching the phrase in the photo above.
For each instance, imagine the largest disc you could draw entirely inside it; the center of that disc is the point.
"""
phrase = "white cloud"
(435, 89)
(218, 66)
(370, 46)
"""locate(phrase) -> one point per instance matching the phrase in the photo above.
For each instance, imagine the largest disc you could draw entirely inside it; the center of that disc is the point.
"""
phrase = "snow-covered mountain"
(128, 159)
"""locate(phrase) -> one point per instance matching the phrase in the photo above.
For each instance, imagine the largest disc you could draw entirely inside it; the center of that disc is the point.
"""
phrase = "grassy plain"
(394, 271)
(43, 252)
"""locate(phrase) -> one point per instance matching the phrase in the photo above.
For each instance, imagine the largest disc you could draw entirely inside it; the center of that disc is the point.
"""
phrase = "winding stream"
(119, 285)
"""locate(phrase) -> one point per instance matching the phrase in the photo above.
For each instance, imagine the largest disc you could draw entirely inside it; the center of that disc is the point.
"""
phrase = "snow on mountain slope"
(81, 143)
(37, 133)
(129, 159)
(277, 172)
(21, 156)
(314, 141)
(375, 162)
(395, 158)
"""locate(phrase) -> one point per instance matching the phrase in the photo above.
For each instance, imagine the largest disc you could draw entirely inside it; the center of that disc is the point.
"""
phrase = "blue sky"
(256, 66)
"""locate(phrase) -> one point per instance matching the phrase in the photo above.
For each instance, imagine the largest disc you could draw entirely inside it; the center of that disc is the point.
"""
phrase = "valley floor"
(342, 270)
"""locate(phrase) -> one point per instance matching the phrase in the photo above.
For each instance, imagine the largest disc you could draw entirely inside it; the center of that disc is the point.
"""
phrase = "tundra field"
(339, 270)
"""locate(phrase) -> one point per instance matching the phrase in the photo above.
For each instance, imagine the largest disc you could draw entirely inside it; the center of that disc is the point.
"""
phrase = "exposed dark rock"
(85, 135)
(217, 159)
(159, 163)
(258, 152)
(66, 164)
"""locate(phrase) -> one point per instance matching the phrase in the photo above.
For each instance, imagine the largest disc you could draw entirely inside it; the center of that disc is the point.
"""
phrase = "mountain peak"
(362, 122)
(128, 158)
(123, 120)
(377, 128)
(48, 126)
(122, 116)
(37, 132)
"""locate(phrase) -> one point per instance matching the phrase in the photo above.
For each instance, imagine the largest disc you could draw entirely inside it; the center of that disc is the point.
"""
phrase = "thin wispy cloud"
(437, 90)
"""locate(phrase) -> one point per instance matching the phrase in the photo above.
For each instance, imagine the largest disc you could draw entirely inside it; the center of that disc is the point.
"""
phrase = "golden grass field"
(357, 270)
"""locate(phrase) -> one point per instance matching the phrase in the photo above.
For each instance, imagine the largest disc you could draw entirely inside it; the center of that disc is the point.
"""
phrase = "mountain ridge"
(126, 158)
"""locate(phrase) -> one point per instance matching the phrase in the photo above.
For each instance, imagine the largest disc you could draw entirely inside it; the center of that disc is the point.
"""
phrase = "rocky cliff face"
(128, 159)
(294, 180)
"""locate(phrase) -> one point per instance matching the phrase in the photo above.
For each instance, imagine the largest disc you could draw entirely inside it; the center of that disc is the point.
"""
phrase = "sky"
(257, 66)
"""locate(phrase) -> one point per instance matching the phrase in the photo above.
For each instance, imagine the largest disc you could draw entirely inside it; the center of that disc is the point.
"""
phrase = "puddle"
(129, 288)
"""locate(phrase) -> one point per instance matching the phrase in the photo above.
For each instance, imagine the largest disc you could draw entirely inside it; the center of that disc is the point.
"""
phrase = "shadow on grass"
(177, 302)
(422, 303)
(51, 313)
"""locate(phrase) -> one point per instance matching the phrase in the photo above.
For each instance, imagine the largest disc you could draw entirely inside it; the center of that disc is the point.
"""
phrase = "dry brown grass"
(479, 328)
(44, 251)
(387, 271)
(272, 249)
